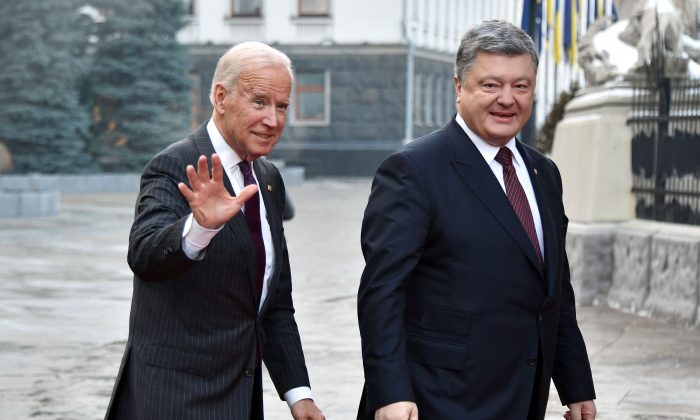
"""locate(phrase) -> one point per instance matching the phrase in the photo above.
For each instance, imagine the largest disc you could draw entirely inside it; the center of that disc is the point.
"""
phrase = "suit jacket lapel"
(263, 175)
(237, 225)
(534, 165)
(476, 173)
(201, 137)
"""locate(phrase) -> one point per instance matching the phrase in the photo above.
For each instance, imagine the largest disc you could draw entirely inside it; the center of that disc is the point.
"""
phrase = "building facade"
(370, 74)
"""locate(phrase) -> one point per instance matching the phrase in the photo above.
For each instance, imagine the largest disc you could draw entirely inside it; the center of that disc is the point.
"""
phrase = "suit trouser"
(535, 408)
(256, 407)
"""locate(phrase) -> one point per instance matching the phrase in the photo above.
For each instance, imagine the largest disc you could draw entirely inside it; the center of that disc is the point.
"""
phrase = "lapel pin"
(535, 169)
(269, 187)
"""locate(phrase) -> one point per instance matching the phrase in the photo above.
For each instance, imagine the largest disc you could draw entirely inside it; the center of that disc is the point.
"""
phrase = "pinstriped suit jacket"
(195, 327)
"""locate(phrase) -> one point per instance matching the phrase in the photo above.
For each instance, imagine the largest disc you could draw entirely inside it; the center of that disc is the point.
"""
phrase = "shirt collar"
(229, 158)
(488, 151)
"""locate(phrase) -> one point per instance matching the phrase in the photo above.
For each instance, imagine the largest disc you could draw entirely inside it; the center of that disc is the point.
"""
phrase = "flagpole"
(530, 7)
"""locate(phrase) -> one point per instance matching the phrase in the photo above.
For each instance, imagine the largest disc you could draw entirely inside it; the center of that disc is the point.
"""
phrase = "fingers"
(192, 178)
(186, 192)
(246, 193)
(201, 175)
(203, 169)
(306, 410)
(575, 412)
(588, 410)
(217, 170)
(402, 410)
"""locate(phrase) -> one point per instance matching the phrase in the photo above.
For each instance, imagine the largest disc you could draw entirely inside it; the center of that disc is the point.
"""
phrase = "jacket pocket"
(179, 359)
(446, 321)
(436, 353)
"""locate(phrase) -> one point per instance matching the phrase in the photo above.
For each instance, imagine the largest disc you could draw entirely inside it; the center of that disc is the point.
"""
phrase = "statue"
(596, 65)
(631, 42)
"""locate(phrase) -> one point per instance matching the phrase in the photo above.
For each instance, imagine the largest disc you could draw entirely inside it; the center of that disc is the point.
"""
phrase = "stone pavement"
(65, 292)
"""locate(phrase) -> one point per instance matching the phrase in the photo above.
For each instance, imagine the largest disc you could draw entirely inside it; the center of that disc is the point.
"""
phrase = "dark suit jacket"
(454, 313)
(195, 327)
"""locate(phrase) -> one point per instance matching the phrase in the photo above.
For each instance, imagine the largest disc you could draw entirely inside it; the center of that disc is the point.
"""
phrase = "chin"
(500, 139)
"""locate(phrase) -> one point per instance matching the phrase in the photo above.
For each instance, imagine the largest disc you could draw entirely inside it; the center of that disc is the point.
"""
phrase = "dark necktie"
(252, 215)
(518, 199)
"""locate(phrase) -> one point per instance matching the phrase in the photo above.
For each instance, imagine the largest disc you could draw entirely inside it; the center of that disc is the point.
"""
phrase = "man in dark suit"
(212, 283)
(465, 305)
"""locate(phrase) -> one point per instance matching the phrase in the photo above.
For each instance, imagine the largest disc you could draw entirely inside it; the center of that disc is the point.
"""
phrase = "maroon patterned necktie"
(252, 215)
(518, 199)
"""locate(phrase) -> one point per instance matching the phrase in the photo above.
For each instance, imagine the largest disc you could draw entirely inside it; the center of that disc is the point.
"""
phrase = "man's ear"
(219, 96)
(458, 88)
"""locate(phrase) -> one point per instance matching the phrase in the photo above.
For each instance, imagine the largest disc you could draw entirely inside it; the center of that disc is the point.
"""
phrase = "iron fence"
(665, 124)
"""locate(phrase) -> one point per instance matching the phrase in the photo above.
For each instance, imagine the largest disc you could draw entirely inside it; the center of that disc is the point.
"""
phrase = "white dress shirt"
(196, 238)
(488, 152)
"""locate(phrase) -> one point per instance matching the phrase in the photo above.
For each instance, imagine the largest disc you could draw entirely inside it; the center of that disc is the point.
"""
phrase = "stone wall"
(642, 267)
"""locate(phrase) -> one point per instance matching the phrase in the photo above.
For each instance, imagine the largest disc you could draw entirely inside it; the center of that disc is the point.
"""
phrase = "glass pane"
(306, 79)
(246, 7)
(313, 7)
(310, 106)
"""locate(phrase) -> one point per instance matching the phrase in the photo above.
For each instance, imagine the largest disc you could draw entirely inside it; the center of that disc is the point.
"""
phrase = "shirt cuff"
(196, 238)
(295, 395)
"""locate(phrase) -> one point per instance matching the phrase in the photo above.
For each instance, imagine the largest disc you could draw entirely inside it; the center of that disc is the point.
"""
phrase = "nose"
(270, 119)
(506, 97)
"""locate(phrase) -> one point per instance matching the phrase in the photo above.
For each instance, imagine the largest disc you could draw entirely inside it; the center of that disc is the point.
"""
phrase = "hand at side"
(403, 410)
(306, 410)
(584, 410)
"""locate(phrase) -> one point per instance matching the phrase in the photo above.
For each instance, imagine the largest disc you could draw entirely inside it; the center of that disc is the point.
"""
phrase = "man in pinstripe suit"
(207, 306)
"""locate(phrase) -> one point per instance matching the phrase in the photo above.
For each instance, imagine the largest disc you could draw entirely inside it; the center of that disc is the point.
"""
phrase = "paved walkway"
(65, 291)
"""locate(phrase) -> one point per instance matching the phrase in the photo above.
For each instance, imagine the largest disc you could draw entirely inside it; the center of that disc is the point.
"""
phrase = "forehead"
(501, 65)
(268, 79)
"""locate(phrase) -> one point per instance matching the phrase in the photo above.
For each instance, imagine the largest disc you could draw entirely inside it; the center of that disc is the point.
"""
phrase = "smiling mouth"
(503, 114)
(263, 135)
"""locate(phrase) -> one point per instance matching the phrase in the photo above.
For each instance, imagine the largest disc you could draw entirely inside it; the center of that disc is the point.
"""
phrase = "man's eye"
(283, 107)
(258, 102)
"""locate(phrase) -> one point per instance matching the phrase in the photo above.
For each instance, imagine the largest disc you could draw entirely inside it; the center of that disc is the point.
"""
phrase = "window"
(418, 100)
(314, 8)
(450, 99)
(439, 92)
(428, 93)
(246, 7)
(311, 103)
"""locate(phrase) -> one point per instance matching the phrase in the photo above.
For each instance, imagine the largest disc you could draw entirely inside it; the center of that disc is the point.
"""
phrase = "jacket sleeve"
(572, 370)
(155, 242)
(395, 226)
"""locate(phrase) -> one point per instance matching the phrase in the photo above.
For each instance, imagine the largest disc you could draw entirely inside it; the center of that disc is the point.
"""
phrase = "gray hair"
(492, 36)
(243, 58)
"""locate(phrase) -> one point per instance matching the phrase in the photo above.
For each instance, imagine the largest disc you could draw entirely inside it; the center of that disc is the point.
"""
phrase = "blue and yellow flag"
(536, 32)
(571, 12)
(558, 32)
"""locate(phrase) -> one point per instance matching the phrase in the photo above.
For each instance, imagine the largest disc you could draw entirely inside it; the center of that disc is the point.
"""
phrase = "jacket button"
(532, 361)
(539, 317)
(248, 372)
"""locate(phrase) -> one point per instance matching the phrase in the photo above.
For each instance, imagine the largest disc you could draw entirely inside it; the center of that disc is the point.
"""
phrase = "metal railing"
(665, 124)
